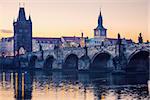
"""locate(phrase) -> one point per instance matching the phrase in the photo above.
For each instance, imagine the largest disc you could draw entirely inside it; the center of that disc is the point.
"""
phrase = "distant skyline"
(55, 18)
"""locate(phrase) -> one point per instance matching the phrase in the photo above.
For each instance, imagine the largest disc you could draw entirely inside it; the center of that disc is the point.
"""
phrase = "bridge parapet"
(79, 52)
(94, 50)
(133, 48)
(61, 54)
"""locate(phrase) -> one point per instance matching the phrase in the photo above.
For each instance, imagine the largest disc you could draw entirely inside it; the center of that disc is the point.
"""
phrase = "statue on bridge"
(120, 59)
(140, 38)
(41, 50)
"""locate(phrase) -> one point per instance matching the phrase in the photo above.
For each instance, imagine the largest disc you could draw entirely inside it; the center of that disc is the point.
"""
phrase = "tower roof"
(100, 21)
(21, 16)
(100, 14)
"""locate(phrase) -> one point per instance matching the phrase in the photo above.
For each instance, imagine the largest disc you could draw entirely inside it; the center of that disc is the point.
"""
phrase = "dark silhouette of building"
(100, 31)
(22, 32)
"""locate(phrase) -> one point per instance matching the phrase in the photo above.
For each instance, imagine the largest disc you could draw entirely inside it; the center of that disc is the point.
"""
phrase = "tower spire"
(22, 15)
(100, 19)
(100, 14)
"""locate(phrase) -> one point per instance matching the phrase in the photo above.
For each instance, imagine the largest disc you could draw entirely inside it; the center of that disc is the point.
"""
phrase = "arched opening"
(100, 62)
(49, 62)
(71, 62)
(138, 62)
(32, 61)
(22, 51)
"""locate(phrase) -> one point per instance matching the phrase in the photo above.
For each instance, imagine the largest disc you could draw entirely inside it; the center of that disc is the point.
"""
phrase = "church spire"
(100, 14)
(100, 20)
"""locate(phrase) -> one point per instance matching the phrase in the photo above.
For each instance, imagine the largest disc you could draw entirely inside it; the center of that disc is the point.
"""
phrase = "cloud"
(5, 31)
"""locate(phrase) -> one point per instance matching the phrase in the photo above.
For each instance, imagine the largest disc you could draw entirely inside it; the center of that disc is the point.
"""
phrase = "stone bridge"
(91, 58)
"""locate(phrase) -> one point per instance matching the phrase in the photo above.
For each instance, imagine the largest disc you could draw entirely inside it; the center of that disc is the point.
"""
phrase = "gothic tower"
(100, 31)
(22, 32)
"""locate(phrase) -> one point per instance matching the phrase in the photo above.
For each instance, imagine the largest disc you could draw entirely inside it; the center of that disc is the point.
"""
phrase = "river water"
(46, 85)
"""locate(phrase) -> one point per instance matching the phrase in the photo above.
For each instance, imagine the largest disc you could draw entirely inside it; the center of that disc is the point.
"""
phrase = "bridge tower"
(100, 31)
(22, 32)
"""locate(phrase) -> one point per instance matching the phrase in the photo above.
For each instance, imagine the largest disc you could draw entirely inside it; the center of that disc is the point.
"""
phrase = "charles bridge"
(130, 57)
(113, 57)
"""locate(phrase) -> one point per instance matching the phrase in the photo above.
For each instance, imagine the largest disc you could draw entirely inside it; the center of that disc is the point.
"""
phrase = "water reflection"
(43, 85)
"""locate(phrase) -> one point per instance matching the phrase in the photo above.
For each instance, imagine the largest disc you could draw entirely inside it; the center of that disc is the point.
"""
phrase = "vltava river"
(45, 85)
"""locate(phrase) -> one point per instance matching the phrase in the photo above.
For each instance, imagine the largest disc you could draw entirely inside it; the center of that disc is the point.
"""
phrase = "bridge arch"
(49, 61)
(71, 62)
(138, 61)
(101, 61)
(22, 50)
